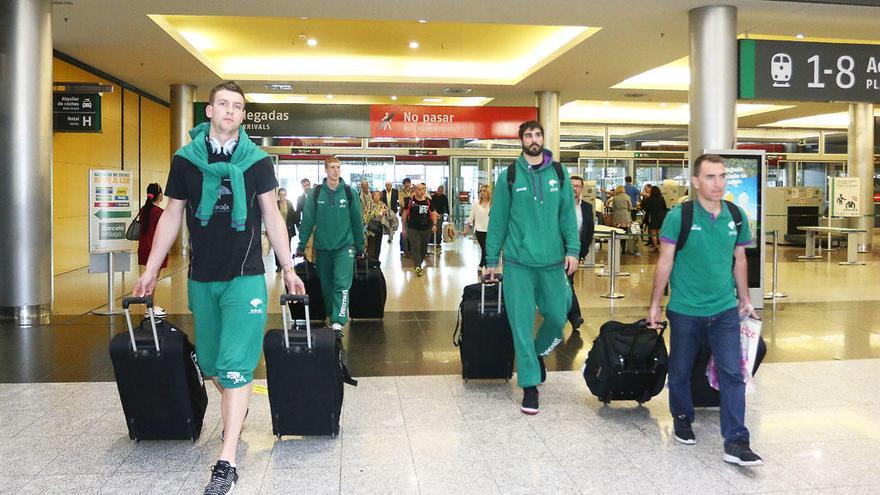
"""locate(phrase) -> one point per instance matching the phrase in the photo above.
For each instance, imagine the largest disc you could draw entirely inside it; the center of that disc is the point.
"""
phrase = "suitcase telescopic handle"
(285, 313)
(148, 301)
(486, 280)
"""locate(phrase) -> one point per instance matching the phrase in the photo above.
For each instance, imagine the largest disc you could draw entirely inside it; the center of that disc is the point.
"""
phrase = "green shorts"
(230, 321)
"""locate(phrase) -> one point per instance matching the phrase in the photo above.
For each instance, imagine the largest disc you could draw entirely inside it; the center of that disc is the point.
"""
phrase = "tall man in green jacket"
(332, 214)
(533, 222)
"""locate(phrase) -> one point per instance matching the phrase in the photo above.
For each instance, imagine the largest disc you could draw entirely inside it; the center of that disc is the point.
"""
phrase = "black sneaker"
(222, 432)
(223, 479)
(543, 369)
(683, 431)
(530, 401)
(739, 453)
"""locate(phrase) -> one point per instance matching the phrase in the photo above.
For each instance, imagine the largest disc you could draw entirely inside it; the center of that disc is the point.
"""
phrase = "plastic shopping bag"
(750, 335)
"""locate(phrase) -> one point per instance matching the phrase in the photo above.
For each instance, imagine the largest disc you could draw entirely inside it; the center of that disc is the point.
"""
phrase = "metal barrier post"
(612, 263)
(774, 293)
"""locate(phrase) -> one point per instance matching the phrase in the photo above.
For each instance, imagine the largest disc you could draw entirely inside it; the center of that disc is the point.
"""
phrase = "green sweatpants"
(524, 290)
(230, 320)
(335, 270)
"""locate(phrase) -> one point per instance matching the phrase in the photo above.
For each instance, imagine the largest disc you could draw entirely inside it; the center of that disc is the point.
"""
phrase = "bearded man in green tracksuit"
(533, 222)
(332, 213)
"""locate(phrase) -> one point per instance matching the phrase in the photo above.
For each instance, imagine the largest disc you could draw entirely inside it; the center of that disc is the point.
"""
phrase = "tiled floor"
(814, 423)
(412, 426)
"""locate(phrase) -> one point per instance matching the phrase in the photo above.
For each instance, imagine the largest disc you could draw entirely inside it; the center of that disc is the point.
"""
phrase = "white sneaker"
(158, 312)
(337, 327)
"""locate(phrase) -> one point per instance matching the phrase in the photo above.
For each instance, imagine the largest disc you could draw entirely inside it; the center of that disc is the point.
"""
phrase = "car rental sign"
(806, 71)
(109, 210)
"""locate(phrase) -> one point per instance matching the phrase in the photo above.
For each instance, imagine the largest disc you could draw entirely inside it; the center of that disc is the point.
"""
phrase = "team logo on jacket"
(732, 227)
(554, 185)
(342, 203)
(256, 307)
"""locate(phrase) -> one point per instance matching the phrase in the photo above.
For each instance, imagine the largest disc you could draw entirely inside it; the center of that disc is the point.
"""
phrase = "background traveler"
(288, 213)
(586, 227)
(479, 221)
(419, 222)
(149, 215)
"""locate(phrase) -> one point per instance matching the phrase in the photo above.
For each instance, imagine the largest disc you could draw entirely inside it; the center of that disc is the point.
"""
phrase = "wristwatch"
(287, 268)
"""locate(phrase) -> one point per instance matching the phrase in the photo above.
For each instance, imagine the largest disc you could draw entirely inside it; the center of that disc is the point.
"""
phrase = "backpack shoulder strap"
(348, 192)
(559, 174)
(511, 177)
(315, 195)
(687, 221)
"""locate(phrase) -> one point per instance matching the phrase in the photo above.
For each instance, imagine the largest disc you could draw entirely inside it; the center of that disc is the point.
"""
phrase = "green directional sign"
(104, 214)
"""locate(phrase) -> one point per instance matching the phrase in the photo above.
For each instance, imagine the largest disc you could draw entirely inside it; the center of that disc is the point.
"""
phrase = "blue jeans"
(687, 334)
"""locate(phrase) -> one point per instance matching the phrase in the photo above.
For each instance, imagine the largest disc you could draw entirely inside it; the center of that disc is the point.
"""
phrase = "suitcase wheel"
(278, 437)
(333, 434)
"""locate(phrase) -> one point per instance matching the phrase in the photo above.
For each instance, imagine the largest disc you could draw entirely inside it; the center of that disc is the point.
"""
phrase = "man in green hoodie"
(533, 222)
(225, 185)
(333, 215)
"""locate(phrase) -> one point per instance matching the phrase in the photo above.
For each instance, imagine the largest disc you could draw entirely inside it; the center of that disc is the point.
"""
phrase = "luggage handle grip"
(285, 317)
(483, 295)
(127, 301)
(148, 300)
(660, 324)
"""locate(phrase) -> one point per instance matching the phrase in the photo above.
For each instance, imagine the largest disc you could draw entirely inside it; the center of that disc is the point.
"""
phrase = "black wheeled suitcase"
(482, 333)
(305, 376)
(160, 384)
(306, 271)
(702, 393)
(628, 361)
(368, 290)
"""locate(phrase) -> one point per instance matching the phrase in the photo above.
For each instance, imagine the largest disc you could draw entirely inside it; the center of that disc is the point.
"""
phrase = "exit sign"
(73, 112)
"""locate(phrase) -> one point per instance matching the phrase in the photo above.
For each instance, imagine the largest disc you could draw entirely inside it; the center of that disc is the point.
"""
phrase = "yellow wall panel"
(74, 154)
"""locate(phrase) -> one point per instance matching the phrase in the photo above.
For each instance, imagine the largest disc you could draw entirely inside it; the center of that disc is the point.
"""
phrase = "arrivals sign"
(399, 121)
(109, 210)
(368, 121)
(73, 112)
(805, 71)
(844, 196)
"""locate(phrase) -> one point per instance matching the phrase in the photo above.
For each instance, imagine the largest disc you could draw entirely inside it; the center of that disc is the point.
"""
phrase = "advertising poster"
(742, 187)
(109, 210)
(844, 196)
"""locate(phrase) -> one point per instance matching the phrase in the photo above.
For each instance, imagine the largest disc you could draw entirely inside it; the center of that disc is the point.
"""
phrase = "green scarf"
(245, 155)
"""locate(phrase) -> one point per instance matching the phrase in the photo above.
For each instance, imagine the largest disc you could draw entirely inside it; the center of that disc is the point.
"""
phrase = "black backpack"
(511, 175)
(687, 221)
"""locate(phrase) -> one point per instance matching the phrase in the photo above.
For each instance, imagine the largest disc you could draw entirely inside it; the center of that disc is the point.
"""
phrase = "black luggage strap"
(346, 376)
(457, 332)
(687, 221)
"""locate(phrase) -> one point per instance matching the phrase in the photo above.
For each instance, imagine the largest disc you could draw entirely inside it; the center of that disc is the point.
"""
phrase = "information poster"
(742, 187)
(844, 196)
(109, 210)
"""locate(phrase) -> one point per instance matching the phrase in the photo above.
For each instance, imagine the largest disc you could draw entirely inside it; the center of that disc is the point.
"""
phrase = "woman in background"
(374, 219)
(479, 221)
(149, 215)
(655, 213)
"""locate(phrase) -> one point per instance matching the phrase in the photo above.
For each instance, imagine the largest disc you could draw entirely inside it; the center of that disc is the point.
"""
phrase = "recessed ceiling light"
(303, 18)
(664, 104)
(432, 100)
(799, 36)
(423, 21)
(606, 103)
(413, 44)
(393, 98)
(329, 97)
(312, 42)
(279, 86)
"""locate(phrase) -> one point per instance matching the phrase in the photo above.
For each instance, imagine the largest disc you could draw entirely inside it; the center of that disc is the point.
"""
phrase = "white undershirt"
(579, 214)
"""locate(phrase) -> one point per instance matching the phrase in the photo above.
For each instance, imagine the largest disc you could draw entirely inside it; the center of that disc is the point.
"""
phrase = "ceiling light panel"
(259, 48)
(584, 111)
(320, 99)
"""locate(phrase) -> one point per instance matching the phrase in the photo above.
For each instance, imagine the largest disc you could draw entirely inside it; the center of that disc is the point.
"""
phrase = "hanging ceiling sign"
(806, 71)
(399, 121)
(74, 112)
